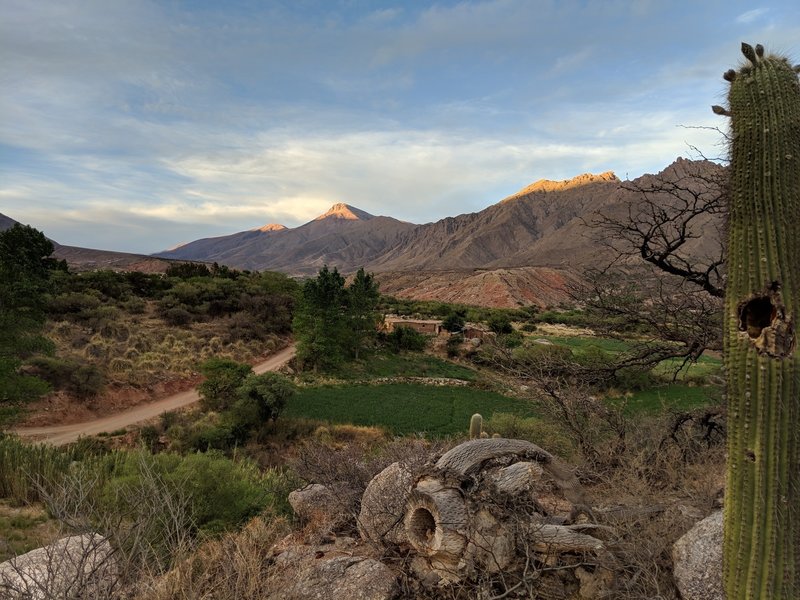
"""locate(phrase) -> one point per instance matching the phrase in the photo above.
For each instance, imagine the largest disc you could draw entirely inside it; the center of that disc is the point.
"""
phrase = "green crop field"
(705, 365)
(412, 364)
(403, 408)
(675, 396)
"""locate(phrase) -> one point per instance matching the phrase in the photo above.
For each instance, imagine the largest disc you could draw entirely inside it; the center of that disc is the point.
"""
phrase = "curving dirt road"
(63, 434)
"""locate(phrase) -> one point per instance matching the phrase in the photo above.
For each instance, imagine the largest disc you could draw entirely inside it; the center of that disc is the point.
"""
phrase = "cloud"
(751, 15)
(131, 124)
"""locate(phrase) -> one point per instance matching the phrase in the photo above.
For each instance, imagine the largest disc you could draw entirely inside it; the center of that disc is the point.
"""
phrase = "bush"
(83, 380)
(511, 340)
(545, 358)
(188, 270)
(455, 321)
(405, 339)
(454, 345)
(500, 324)
(72, 303)
(549, 437)
(263, 396)
(223, 377)
(223, 494)
(177, 316)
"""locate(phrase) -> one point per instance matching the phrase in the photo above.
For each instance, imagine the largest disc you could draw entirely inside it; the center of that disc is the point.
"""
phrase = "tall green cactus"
(762, 307)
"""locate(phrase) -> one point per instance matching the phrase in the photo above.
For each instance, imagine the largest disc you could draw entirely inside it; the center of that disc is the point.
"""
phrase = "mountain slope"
(543, 225)
(344, 236)
(6, 222)
(502, 234)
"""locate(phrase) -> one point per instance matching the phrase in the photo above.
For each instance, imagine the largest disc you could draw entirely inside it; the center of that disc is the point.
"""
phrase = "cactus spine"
(475, 426)
(762, 306)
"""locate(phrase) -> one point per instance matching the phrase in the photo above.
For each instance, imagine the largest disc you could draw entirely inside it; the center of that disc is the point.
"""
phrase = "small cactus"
(475, 426)
(762, 308)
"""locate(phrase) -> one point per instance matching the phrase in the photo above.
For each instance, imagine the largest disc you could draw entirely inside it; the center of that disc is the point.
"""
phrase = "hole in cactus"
(756, 315)
(422, 529)
(764, 321)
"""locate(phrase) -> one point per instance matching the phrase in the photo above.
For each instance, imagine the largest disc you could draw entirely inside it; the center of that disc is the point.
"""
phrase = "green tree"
(24, 273)
(455, 321)
(261, 398)
(500, 324)
(223, 378)
(362, 316)
(320, 322)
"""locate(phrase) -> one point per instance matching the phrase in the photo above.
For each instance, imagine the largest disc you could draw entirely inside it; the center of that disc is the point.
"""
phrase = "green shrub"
(72, 303)
(188, 270)
(135, 306)
(83, 380)
(223, 377)
(455, 321)
(454, 345)
(405, 339)
(177, 316)
(511, 340)
(500, 324)
(267, 394)
(545, 358)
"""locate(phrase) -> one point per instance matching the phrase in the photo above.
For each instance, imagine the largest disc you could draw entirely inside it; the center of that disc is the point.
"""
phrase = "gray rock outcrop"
(75, 567)
(312, 501)
(325, 573)
(697, 558)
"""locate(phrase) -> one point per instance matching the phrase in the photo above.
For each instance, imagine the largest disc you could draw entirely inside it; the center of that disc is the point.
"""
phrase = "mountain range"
(524, 249)
(542, 225)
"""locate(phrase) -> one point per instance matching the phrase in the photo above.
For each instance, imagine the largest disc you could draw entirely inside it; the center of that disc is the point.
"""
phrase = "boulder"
(312, 501)
(327, 573)
(74, 567)
(697, 559)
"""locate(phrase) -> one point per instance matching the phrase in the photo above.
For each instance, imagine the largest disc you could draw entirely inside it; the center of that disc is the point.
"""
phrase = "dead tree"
(665, 278)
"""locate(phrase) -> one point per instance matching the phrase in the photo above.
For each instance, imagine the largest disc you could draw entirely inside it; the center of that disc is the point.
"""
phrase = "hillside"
(344, 236)
(524, 249)
(542, 225)
(495, 288)
(87, 259)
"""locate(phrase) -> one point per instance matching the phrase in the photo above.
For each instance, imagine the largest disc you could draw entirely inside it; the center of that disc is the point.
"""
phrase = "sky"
(135, 125)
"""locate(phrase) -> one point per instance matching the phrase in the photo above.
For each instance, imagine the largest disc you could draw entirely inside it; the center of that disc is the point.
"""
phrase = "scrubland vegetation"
(643, 433)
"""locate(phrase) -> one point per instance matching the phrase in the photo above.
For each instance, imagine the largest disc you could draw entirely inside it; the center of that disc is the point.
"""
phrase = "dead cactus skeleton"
(488, 506)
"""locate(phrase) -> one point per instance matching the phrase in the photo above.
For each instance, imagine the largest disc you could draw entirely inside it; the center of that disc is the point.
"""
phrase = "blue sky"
(133, 125)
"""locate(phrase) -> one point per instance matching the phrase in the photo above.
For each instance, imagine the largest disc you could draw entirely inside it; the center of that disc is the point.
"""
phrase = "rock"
(75, 567)
(697, 558)
(383, 505)
(312, 501)
(309, 574)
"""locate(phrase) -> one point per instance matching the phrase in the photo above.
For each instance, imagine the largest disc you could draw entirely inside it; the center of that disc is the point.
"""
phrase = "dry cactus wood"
(492, 505)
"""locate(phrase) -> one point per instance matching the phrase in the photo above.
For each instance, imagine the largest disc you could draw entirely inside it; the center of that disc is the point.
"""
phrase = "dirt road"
(63, 434)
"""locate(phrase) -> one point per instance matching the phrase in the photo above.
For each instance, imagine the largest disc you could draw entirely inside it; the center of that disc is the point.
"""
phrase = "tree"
(455, 321)
(319, 325)
(223, 378)
(362, 301)
(500, 324)
(333, 321)
(262, 398)
(24, 273)
(666, 276)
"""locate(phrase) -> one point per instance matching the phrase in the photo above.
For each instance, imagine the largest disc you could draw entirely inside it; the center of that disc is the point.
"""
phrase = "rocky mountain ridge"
(525, 249)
